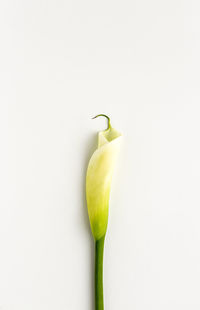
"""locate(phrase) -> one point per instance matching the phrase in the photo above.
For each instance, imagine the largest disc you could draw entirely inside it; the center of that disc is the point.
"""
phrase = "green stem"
(99, 246)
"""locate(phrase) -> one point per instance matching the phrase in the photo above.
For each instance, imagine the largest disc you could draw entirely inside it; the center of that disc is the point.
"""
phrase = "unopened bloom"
(98, 179)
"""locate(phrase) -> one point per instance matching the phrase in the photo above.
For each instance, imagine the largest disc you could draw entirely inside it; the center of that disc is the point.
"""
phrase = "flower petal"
(98, 180)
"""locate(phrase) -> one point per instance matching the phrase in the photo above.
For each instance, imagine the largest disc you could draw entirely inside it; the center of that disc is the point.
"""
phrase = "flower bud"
(98, 179)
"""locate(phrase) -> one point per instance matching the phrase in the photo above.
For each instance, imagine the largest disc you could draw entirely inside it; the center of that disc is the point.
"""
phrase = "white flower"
(98, 179)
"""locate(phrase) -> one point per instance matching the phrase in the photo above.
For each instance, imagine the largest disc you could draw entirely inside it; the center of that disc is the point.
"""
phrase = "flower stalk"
(99, 249)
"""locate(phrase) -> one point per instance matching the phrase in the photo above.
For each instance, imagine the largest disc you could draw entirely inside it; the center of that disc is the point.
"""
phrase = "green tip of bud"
(104, 115)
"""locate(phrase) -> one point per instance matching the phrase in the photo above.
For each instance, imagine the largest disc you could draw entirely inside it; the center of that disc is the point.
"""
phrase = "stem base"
(99, 248)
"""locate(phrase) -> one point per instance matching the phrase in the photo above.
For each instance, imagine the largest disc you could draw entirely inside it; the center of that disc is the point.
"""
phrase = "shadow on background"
(92, 145)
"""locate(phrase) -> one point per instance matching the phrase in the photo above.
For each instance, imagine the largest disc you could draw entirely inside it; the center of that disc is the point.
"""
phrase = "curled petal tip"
(104, 115)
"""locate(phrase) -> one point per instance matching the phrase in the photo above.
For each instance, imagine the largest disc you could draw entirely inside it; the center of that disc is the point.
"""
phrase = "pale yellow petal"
(98, 180)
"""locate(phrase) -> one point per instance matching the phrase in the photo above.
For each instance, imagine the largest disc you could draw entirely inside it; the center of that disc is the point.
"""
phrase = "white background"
(62, 62)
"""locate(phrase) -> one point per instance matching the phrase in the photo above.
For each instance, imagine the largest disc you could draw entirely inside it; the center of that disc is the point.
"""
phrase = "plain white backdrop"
(62, 62)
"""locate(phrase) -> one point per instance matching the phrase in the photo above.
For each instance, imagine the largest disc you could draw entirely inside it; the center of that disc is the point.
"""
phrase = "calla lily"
(99, 177)
(98, 184)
